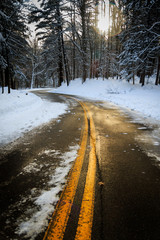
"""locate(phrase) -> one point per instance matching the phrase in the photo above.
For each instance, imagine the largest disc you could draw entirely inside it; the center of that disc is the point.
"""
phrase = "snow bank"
(21, 111)
(144, 100)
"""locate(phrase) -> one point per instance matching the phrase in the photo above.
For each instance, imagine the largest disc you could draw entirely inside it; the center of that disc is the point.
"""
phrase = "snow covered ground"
(21, 111)
(143, 100)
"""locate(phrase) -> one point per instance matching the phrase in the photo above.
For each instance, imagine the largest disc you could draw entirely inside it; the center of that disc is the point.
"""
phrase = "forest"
(70, 44)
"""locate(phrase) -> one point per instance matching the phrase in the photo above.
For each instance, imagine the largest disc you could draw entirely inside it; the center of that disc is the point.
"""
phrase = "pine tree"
(51, 22)
(13, 41)
(140, 38)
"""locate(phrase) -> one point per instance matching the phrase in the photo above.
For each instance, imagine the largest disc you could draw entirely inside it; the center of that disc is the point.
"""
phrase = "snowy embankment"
(21, 111)
(143, 100)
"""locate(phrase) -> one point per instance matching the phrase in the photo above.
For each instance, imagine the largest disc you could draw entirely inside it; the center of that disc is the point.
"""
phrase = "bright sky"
(103, 17)
(33, 25)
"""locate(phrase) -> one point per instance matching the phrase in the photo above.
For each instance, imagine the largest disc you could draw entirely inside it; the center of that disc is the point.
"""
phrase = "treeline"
(16, 50)
(70, 45)
(13, 44)
(140, 38)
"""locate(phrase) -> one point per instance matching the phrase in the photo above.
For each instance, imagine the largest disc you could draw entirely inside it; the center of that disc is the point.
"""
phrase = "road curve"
(112, 190)
(120, 202)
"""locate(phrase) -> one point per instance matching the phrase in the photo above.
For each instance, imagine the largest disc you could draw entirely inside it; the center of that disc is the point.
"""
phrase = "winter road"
(112, 190)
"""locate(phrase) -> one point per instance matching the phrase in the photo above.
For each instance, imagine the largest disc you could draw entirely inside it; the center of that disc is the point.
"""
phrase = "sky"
(32, 26)
(103, 18)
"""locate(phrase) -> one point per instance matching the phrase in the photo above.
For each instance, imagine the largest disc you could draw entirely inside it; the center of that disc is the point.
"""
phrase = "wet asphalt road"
(127, 191)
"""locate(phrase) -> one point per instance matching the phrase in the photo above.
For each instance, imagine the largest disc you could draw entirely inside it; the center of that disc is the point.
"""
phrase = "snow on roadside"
(21, 111)
(144, 100)
(46, 201)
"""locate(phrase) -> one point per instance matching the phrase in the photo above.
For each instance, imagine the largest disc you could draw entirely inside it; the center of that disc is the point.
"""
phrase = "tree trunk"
(73, 20)
(133, 78)
(3, 80)
(84, 44)
(62, 45)
(91, 64)
(60, 64)
(59, 32)
(158, 72)
(7, 79)
(33, 67)
(142, 78)
(64, 59)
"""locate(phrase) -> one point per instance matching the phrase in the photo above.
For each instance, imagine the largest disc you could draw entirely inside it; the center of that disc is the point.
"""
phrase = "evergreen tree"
(50, 24)
(140, 38)
(14, 46)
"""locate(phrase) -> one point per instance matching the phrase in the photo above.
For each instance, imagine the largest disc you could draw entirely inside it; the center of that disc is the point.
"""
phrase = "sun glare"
(103, 23)
(103, 17)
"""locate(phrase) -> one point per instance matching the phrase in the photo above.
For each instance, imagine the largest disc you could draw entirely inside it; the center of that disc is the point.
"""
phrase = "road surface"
(112, 191)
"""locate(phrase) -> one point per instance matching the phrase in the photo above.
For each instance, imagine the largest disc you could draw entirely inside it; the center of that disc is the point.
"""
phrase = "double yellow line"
(58, 223)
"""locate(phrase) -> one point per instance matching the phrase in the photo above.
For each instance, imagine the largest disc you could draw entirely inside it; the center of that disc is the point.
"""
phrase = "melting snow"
(46, 201)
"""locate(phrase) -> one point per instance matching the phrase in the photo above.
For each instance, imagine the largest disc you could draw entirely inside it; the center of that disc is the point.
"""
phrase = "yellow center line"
(61, 214)
(84, 229)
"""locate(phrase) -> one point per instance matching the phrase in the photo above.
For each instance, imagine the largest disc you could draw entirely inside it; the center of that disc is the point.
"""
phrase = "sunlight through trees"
(78, 39)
